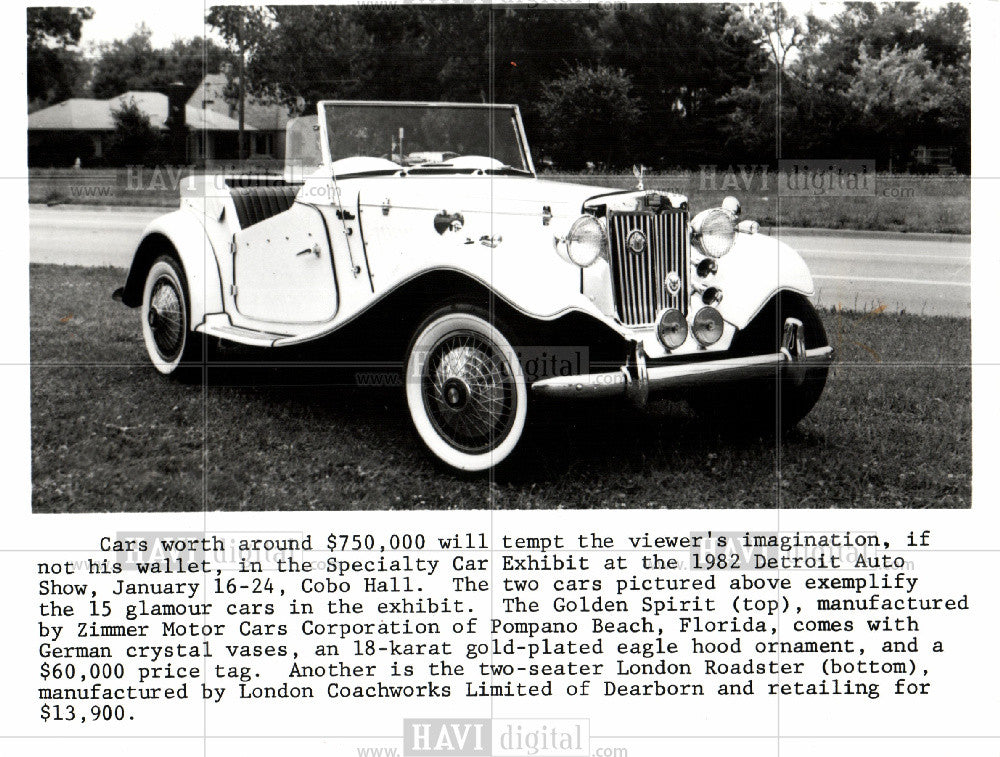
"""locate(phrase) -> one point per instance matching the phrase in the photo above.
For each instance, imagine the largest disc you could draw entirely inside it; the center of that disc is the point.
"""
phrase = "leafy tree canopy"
(875, 81)
(589, 112)
(134, 64)
(54, 26)
(55, 67)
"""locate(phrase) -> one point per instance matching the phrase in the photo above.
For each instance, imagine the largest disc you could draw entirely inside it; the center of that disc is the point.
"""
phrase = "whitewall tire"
(165, 316)
(465, 390)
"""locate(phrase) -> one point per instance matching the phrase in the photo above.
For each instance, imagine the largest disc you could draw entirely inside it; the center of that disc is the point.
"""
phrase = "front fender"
(182, 234)
(752, 272)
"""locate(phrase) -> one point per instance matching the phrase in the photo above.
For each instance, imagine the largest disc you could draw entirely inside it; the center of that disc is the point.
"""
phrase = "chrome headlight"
(707, 326)
(714, 231)
(672, 329)
(586, 241)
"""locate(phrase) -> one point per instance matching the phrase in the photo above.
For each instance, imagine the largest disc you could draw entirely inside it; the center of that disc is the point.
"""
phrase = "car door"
(410, 223)
(283, 269)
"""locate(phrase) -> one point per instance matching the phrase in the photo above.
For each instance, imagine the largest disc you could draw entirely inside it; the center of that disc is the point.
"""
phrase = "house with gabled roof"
(82, 128)
(267, 119)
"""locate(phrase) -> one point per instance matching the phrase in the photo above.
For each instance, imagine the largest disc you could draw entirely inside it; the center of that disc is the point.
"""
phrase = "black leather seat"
(256, 204)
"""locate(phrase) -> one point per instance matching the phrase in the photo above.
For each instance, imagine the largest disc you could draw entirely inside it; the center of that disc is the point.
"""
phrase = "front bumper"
(636, 380)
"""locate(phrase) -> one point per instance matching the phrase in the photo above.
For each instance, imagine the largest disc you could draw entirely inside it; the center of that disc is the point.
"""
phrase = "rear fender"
(182, 235)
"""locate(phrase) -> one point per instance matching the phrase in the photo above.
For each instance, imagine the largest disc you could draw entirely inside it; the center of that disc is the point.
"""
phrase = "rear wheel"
(465, 389)
(165, 313)
(772, 404)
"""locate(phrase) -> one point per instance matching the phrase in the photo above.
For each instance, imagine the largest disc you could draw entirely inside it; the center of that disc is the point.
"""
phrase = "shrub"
(135, 141)
(587, 116)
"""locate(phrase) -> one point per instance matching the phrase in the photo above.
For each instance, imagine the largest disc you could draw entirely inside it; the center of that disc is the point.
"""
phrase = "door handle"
(314, 250)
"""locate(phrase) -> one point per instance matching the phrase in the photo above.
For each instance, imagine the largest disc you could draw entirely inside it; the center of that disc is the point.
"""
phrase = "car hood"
(496, 194)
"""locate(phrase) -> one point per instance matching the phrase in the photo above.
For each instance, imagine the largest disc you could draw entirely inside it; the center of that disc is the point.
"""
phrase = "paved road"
(859, 272)
(925, 276)
(75, 235)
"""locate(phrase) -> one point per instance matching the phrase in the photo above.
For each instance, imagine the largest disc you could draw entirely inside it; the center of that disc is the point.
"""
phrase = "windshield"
(423, 137)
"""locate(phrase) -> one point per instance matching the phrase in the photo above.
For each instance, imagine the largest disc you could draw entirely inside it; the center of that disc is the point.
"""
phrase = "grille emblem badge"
(636, 242)
(673, 282)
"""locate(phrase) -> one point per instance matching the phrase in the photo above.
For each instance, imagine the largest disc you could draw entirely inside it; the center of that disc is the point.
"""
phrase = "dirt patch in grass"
(893, 429)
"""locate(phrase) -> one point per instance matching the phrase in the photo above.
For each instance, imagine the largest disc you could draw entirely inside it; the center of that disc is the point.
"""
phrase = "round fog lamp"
(672, 329)
(707, 326)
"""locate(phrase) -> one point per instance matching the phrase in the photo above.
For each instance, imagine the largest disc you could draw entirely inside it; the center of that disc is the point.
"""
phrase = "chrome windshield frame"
(516, 122)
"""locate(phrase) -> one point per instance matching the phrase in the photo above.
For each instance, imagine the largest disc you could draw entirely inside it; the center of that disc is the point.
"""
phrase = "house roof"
(84, 114)
(210, 96)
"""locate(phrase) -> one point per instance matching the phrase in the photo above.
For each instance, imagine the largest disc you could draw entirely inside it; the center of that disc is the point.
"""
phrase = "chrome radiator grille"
(640, 279)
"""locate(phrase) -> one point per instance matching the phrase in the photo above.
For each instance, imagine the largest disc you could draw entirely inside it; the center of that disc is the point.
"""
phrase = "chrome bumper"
(635, 380)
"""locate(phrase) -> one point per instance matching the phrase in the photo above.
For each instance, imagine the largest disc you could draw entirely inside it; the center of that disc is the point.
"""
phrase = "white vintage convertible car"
(417, 235)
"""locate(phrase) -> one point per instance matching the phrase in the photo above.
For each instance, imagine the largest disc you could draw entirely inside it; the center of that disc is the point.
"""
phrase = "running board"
(232, 333)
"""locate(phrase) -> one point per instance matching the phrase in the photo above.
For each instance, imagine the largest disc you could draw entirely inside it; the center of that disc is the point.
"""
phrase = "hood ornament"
(638, 171)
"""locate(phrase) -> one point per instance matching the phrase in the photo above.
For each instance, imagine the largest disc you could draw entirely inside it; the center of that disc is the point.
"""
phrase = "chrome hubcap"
(469, 392)
(166, 319)
(456, 394)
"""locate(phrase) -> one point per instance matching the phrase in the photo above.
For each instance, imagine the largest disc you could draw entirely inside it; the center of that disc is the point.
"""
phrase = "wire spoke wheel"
(468, 390)
(166, 318)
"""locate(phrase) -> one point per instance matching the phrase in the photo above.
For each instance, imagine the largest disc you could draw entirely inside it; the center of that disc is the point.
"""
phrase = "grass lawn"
(892, 430)
(899, 202)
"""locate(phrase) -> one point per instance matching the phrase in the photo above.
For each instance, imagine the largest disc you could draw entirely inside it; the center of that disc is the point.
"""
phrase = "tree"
(682, 59)
(126, 64)
(864, 85)
(243, 27)
(777, 31)
(705, 80)
(302, 54)
(587, 115)
(897, 97)
(295, 52)
(135, 141)
(895, 85)
(134, 64)
(55, 67)
(532, 46)
(190, 60)
(943, 32)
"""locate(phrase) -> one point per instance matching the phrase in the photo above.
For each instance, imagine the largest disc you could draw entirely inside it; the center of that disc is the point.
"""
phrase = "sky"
(169, 21)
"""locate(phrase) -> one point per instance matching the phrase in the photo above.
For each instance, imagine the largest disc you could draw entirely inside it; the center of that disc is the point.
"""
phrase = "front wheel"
(465, 389)
(165, 317)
